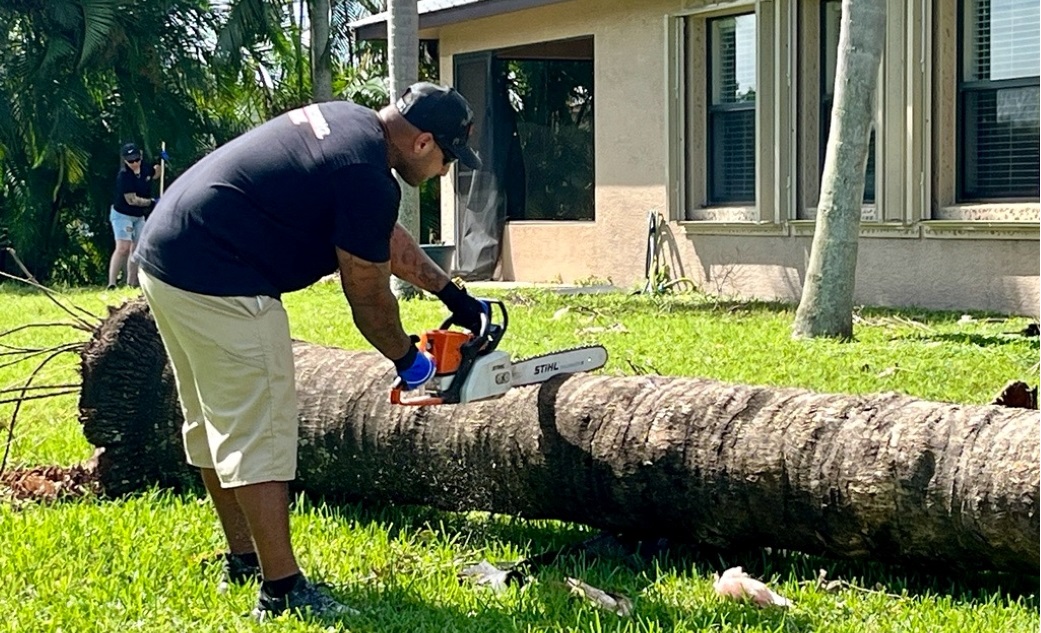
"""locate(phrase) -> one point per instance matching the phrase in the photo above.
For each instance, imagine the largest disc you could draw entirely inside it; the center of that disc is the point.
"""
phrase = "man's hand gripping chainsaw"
(471, 367)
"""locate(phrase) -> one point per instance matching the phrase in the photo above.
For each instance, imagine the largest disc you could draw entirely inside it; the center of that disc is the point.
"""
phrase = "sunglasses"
(133, 160)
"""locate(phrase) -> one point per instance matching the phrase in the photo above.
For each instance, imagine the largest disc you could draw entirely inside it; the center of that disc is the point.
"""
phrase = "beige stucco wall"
(933, 273)
(632, 166)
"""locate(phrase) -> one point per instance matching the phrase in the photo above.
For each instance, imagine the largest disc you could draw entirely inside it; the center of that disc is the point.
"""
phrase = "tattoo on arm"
(374, 307)
(408, 261)
(135, 200)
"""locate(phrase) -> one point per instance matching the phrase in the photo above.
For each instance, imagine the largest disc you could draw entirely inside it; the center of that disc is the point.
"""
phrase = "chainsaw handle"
(396, 392)
(486, 321)
(485, 324)
(502, 311)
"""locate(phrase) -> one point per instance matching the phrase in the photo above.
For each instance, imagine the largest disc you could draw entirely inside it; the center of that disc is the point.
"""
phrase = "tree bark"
(883, 477)
(826, 307)
(403, 66)
(320, 14)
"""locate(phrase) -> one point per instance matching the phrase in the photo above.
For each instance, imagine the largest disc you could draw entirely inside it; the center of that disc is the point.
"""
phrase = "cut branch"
(15, 350)
(39, 396)
(18, 405)
(40, 388)
(886, 477)
(75, 311)
(29, 326)
(60, 349)
(28, 275)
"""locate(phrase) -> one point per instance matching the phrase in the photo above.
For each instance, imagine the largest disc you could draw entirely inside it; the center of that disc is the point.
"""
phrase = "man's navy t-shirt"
(262, 215)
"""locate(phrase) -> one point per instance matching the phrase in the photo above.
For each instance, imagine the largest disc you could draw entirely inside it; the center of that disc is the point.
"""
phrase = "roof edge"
(375, 27)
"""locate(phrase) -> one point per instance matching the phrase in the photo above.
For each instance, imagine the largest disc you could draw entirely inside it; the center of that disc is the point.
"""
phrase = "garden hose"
(652, 270)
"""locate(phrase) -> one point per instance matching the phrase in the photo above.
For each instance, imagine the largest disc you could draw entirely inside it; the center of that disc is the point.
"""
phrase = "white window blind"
(732, 92)
(999, 99)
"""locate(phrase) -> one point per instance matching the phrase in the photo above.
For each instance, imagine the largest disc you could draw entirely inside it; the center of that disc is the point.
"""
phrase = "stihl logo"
(541, 369)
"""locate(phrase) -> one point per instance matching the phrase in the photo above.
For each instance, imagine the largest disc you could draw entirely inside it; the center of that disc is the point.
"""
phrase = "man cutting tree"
(270, 212)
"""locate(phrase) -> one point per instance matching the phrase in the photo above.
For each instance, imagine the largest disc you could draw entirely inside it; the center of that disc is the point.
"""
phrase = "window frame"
(685, 107)
(493, 62)
(712, 110)
(963, 89)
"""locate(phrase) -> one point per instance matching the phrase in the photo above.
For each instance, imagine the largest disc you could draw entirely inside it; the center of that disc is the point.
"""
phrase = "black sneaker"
(236, 571)
(304, 600)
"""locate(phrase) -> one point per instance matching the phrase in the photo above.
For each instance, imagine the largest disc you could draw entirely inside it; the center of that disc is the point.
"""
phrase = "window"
(533, 120)
(998, 93)
(731, 112)
(551, 110)
(831, 16)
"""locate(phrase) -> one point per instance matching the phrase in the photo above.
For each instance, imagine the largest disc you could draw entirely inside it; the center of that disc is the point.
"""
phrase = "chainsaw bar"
(536, 369)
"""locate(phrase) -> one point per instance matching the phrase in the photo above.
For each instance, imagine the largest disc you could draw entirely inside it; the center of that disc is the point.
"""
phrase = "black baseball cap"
(445, 113)
(130, 151)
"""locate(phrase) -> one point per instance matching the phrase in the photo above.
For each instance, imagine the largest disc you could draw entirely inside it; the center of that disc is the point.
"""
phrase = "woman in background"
(131, 202)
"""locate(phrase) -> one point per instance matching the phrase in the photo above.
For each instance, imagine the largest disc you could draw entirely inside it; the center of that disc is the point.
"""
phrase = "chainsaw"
(469, 366)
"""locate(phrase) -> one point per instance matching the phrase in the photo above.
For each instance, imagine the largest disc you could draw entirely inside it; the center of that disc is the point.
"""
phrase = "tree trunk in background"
(884, 477)
(320, 14)
(826, 308)
(403, 62)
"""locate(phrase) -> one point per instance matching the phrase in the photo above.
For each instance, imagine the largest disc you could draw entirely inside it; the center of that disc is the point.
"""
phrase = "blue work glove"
(415, 368)
(164, 155)
(466, 311)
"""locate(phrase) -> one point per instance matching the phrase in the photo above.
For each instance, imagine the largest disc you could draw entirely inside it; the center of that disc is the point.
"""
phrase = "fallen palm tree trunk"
(886, 477)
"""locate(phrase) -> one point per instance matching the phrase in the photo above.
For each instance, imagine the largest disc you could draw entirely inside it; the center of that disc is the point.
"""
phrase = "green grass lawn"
(134, 564)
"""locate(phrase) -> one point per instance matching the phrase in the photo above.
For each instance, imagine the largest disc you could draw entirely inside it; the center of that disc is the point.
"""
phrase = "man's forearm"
(409, 262)
(374, 307)
(379, 322)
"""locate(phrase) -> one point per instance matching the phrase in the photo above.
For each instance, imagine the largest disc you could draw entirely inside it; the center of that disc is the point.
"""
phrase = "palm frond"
(99, 21)
(65, 14)
(248, 21)
(59, 52)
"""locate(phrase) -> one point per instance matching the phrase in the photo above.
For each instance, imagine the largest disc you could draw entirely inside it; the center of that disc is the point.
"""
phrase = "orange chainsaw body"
(455, 356)
(446, 348)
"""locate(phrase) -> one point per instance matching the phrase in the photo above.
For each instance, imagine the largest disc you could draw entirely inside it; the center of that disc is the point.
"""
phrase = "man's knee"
(124, 247)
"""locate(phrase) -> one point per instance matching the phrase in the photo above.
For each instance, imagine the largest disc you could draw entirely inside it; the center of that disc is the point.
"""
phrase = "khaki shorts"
(232, 359)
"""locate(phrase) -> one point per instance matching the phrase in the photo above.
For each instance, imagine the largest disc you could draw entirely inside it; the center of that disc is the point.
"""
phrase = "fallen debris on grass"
(613, 602)
(735, 584)
(50, 483)
(1017, 395)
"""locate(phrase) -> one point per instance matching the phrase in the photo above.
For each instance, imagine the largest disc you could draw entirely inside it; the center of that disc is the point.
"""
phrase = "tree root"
(82, 320)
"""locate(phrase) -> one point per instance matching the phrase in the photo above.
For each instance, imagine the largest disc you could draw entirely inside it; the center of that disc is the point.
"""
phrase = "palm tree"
(885, 476)
(260, 48)
(77, 78)
(403, 57)
(826, 308)
(289, 52)
(320, 12)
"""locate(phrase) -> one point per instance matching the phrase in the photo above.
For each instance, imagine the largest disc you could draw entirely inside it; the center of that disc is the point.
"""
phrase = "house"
(596, 116)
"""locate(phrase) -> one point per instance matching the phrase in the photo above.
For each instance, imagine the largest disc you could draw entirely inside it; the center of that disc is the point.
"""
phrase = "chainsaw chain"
(517, 361)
